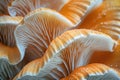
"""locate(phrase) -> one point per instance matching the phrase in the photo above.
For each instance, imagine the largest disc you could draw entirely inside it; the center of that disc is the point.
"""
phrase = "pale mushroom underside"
(9, 53)
(94, 72)
(47, 50)
(38, 29)
(65, 53)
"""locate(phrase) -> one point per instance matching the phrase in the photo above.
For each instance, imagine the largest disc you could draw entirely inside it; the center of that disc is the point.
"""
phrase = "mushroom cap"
(22, 7)
(9, 53)
(106, 18)
(65, 53)
(112, 60)
(94, 71)
(76, 10)
(7, 40)
(38, 29)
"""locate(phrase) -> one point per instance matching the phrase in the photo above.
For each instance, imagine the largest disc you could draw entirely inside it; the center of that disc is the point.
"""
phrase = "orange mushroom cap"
(9, 53)
(105, 18)
(38, 29)
(68, 51)
(94, 71)
(76, 10)
(23, 7)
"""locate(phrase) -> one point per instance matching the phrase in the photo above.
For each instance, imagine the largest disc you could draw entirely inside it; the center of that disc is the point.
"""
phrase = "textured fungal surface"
(77, 45)
(39, 28)
(22, 7)
(94, 72)
(75, 10)
(106, 19)
(9, 53)
(59, 39)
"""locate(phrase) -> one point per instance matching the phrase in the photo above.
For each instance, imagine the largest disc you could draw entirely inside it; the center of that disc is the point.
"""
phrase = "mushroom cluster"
(59, 39)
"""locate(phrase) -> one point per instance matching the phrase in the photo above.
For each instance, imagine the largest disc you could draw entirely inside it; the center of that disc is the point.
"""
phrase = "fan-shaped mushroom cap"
(9, 54)
(22, 7)
(94, 72)
(65, 53)
(76, 10)
(106, 19)
(7, 40)
(39, 28)
(112, 60)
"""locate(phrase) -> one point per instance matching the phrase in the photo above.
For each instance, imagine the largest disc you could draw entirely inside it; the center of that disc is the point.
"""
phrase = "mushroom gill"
(68, 51)
(39, 46)
(76, 10)
(105, 18)
(38, 29)
(9, 53)
(94, 71)
(23, 7)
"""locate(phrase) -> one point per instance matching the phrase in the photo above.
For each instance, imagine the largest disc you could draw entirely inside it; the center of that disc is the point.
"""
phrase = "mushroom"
(57, 59)
(76, 10)
(67, 52)
(22, 7)
(38, 29)
(94, 71)
(9, 53)
(106, 18)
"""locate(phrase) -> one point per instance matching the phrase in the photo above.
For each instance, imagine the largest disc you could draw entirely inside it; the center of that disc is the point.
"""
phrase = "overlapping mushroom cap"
(65, 53)
(44, 20)
(38, 29)
(7, 40)
(9, 53)
(94, 72)
(106, 18)
(23, 7)
(74, 10)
